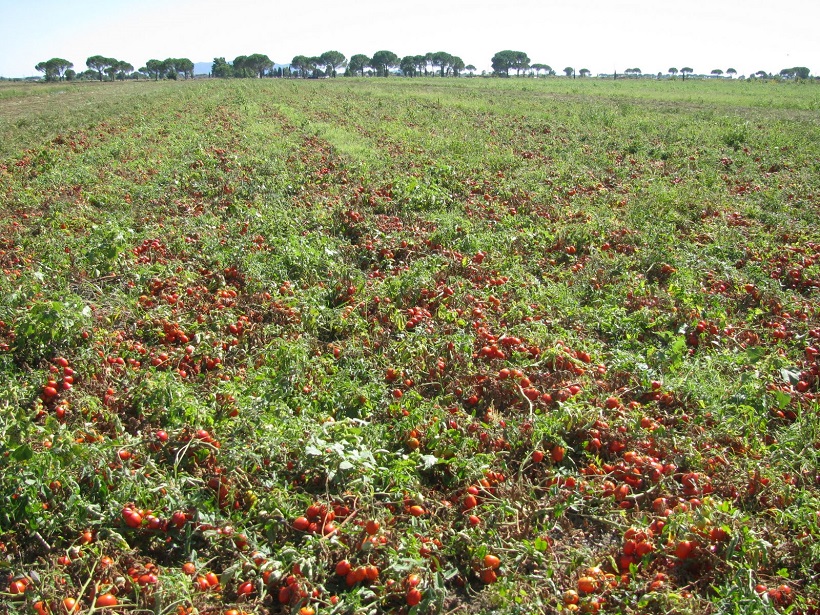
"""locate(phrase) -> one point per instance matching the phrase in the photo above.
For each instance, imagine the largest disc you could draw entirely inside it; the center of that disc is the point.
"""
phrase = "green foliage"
(101, 64)
(221, 68)
(357, 64)
(333, 60)
(505, 60)
(544, 320)
(382, 61)
(46, 328)
(54, 69)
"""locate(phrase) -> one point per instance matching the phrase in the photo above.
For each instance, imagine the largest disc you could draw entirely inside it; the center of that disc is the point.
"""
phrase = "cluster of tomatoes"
(61, 380)
(151, 251)
(318, 519)
(136, 518)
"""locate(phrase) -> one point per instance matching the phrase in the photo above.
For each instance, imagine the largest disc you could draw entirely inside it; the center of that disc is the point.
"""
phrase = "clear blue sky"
(600, 35)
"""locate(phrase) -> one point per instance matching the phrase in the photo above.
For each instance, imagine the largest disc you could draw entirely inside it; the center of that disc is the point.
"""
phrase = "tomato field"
(429, 346)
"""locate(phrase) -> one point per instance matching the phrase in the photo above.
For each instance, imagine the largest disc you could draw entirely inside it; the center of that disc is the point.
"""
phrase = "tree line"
(330, 63)
(99, 67)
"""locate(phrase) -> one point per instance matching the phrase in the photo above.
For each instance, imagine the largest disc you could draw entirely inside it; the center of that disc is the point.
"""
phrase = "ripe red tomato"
(284, 594)
(587, 585)
(178, 519)
(301, 524)
(413, 596)
(201, 583)
(17, 587)
(373, 527)
(412, 580)
(343, 568)
(106, 600)
(491, 561)
(684, 549)
(147, 579)
(371, 573)
(131, 517)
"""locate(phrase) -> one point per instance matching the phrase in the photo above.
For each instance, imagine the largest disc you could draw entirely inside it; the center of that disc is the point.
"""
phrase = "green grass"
(315, 273)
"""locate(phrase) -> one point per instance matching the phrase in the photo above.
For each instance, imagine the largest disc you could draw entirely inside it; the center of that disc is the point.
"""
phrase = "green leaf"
(541, 545)
(22, 453)
(676, 350)
(782, 399)
(346, 465)
(754, 354)
(790, 375)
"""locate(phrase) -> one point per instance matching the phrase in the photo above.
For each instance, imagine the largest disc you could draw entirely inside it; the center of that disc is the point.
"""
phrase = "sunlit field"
(410, 346)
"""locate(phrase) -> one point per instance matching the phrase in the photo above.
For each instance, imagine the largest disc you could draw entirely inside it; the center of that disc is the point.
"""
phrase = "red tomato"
(301, 524)
(372, 527)
(131, 517)
(106, 600)
(284, 594)
(343, 568)
(371, 573)
(413, 596)
(684, 549)
(412, 580)
(587, 585)
(491, 561)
